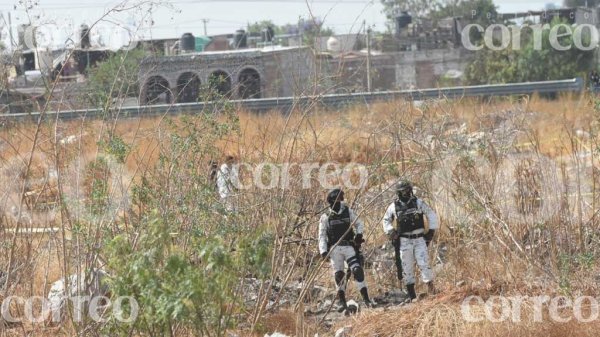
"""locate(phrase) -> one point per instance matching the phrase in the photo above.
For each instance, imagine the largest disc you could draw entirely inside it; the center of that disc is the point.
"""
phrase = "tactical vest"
(338, 225)
(408, 216)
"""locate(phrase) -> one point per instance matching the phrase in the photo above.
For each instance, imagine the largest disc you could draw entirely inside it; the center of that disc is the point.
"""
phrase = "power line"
(59, 5)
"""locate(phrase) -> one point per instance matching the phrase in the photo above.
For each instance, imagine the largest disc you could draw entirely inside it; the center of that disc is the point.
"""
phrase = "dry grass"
(442, 316)
(392, 139)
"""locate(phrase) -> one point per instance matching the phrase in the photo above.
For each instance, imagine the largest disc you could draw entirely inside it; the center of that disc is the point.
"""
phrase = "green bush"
(180, 290)
(527, 63)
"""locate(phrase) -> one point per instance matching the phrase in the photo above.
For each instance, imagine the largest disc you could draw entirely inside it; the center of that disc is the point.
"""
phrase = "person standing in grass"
(227, 182)
(408, 211)
(340, 238)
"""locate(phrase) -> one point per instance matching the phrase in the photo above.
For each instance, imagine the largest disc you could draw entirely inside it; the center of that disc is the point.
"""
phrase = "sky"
(116, 22)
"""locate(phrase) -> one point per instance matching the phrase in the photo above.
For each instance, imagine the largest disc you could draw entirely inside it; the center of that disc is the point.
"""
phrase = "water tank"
(333, 45)
(187, 43)
(239, 39)
(402, 21)
(267, 34)
(84, 33)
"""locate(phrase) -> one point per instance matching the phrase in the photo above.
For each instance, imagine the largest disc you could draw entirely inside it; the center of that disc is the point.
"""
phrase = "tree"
(474, 11)
(310, 29)
(481, 12)
(117, 76)
(416, 7)
(581, 3)
(528, 63)
(258, 27)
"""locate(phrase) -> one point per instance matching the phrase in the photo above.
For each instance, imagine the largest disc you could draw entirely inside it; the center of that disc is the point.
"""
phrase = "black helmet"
(404, 189)
(335, 195)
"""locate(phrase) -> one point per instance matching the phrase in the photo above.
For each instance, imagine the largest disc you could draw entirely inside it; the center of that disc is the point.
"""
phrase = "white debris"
(68, 140)
(78, 286)
(276, 334)
(476, 137)
(344, 332)
(582, 134)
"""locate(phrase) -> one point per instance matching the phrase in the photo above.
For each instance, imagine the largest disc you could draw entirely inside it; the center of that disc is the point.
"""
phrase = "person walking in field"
(340, 225)
(408, 213)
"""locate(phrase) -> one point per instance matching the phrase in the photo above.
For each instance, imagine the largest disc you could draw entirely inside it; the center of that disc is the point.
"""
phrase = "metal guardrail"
(285, 104)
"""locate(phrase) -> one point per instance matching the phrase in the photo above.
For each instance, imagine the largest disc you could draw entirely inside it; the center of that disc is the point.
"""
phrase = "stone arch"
(188, 87)
(249, 83)
(220, 82)
(156, 90)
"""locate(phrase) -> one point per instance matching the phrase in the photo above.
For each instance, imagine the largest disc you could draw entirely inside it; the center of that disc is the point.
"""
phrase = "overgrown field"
(515, 183)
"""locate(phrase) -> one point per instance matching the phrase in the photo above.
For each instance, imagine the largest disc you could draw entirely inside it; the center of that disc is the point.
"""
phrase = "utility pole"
(369, 80)
(205, 21)
(10, 33)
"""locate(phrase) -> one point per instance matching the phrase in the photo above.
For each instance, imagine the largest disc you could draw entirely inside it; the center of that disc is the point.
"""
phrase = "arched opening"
(156, 91)
(220, 82)
(188, 88)
(249, 84)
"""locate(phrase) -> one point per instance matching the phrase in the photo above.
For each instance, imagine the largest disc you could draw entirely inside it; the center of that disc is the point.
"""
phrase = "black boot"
(412, 294)
(342, 306)
(365, 295)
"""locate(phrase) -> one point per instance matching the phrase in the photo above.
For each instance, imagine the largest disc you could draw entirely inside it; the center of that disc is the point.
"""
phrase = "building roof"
(267, 49)
(246, 52)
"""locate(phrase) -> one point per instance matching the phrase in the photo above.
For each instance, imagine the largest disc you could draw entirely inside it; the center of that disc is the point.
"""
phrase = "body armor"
(338, 225)
(408, 216)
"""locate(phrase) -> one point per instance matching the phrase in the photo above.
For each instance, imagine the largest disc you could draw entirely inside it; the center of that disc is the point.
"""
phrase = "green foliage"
(313, 29)
(96, 182)
(115, 77)
(310, 29)
(258, 26)
(581, 3)
(180, 258)
(117, 148)
(176, 289)
(473, 11)
(586, 260)
(481, 12)
(170, 290)
(414, 7)
(528, 64)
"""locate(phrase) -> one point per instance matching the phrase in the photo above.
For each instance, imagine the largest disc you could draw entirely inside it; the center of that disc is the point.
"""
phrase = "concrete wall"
(289, 73)
(283, 72)
(349, 74)
(423, 69)
(292, 71)
(395, 71)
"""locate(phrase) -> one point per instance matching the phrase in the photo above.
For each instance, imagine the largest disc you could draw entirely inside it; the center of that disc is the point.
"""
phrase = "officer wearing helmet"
(340, 225)
(408, 212)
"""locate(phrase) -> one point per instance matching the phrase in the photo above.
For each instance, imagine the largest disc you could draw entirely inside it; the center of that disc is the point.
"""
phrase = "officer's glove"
(358, 240)
(429, 236)
(394, 235)
(324, 255)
